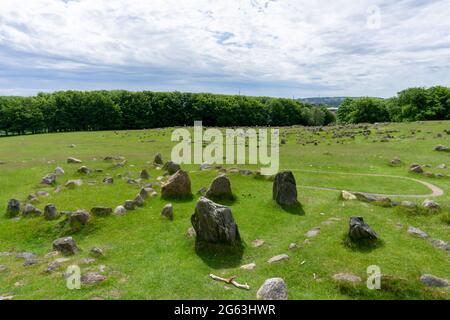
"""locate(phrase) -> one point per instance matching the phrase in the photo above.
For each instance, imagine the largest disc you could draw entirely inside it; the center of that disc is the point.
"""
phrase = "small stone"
(345, 195)
(92, 278)
(101, 211)
(84, 170)
(66, 246)
(191, 232)
(416, 168)
(96, 252)
(73, 160)
(359, 230)
(249, 266)
(273, 289)
(293, 246)
(167, 211)
(313, 232)
(78, 219)
(158, 160)
(441, 244)
(120, 211)
(88, 261)
(71, 184)
(347, 277)
(417, 232)
(433, 281)
(49, 179)
(59, 171)
(50, 212)
(144, 175)
(430, 204)
(42, 194)
(139, 201)
(53, 266)
(30, 210)
(278, 258)
(258, 243)
(108, 180)
(130, 205)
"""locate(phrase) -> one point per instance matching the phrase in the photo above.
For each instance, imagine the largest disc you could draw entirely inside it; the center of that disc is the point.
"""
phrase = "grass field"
(147, 257)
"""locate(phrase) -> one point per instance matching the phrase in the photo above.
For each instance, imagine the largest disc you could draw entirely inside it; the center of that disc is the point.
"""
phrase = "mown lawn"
(148, 257)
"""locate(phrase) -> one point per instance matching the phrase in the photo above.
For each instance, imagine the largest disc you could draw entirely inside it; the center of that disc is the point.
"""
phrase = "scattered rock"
(49, 179)
(53, 266)
(78, 219)
(171, 167)
(73, 160)
(71, 184)
(258, 243)
(430, 204)
(97, 252)
(347, 277)
(101, 211)
(191, 232)
(433, 281)
(178, 186)
(442, 166)
(441, 244)
(313, 232)
(278, 258)
(3, 268)
(59, 171)
(249, 266)
(285, 189)
(396, 162)
(130, 205)
(88, 261)
(31, 210)
(158, 160)
(92, 278)
(205, 166)
(167, 211)
(359, 230)
(293, 246)
(345, 195)
(273, 289)
(220, 189)
(13, 208)
(144, 175)
(42, 194)
(417, 232)
(120, 211)
(408, 204)
(108, 180)
(132, 181)
(442, 148)
(214, 223)
(416, 168)
(50, 212)
(66, 246)
(139, 201)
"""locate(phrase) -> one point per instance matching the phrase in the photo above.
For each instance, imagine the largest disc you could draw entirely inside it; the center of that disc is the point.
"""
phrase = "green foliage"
(119, 109)
(412, 104)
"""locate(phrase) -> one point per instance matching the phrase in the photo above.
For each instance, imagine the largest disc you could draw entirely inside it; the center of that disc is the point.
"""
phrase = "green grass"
(148, 257)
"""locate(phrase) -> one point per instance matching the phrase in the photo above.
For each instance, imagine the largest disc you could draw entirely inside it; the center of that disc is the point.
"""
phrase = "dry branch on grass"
(231, 281)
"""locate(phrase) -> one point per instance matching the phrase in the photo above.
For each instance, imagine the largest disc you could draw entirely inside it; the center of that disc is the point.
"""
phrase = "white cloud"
(307, 46)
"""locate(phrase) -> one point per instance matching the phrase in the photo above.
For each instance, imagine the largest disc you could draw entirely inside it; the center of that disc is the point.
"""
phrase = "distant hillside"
(329, 101)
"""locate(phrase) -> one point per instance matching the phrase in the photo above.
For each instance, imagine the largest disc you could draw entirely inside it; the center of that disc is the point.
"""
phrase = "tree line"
(413, 104)
(115, 110)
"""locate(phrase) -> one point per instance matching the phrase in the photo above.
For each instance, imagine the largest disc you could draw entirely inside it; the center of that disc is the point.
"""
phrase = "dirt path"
(435, 191)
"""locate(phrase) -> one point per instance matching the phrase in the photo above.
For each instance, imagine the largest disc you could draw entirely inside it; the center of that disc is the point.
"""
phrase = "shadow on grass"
(218, 256)
(364, 246)
(225, 201)
(295, 209)
(392, 288)
(184, 199)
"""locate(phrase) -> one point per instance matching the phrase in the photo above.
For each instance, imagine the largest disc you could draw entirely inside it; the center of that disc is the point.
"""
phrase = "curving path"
(435, 191)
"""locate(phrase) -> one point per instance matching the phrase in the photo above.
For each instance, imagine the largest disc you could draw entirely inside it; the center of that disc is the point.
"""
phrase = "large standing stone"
(359, 230)
(273, 289)
(13, 209)
(214, 224)
(50, 212)
(49, 179)
(285, 189)
(220, 189)
(66, 246)
(178, 186)
(171, 167)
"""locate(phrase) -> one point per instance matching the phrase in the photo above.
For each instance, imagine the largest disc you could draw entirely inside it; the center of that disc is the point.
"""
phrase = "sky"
(282, 48)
